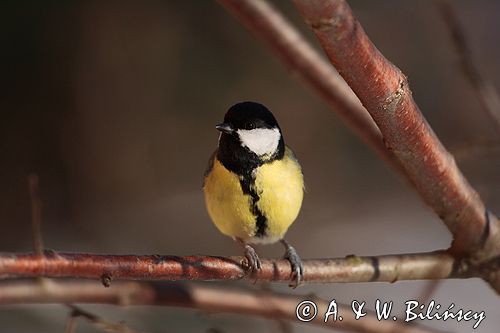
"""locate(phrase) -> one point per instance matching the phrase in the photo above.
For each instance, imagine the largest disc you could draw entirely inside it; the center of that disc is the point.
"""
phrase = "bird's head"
(250, 134)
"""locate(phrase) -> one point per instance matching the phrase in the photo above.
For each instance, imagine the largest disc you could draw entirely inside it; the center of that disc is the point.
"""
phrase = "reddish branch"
(389, 268)
(206, 298)
(303, 61)
(384, 91)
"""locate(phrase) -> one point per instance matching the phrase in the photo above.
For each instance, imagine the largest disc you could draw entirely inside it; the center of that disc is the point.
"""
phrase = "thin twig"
(388, 268)
(213, 299)
(70, 324)
(99, 322)
(36, 212)
(429, 289)
(385, 93)
(485, 92)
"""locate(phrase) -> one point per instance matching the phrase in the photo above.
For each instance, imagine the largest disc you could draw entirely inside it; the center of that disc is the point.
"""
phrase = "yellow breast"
(227, 206)
(279, 185)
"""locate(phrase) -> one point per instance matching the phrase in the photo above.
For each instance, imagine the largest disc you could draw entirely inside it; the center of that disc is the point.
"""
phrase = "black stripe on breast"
(242, 161)
(260, 220)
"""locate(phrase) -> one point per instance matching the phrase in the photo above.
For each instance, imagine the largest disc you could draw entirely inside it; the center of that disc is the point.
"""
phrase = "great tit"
(253, 184)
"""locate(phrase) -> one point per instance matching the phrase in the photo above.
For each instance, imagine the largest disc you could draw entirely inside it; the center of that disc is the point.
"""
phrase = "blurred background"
(113, 104)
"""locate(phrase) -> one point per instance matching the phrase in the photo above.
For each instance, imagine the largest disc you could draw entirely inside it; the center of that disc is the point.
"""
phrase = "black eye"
(249, 126)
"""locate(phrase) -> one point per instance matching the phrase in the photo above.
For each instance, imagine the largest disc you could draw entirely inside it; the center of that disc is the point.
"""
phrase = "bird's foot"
(296, 263)
(252, 257)
(253, 262)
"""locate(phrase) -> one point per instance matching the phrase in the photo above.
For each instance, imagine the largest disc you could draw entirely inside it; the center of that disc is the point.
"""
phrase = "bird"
(254, 185)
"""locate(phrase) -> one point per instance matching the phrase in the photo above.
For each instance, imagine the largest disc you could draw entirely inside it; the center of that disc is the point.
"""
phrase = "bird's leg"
(253, 260)
(297, 267)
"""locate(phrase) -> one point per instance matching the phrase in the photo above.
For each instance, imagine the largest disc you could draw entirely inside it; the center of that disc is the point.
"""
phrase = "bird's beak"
(225, 128)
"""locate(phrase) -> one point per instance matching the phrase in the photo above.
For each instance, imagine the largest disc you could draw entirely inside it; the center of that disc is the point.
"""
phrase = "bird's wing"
(210, 165)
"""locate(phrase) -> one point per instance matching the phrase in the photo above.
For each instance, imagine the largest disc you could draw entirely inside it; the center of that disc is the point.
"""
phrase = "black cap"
(249, 115)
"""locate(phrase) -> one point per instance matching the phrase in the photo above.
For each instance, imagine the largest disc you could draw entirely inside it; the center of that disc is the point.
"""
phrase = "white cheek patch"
(261, 141)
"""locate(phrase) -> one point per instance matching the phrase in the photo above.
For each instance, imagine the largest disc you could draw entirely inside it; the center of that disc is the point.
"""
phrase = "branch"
(266, 304)
(388, 268)
(384, 91)
(303, 61)
(99, 322)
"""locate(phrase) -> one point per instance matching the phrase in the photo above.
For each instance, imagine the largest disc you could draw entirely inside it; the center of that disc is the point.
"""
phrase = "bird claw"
(296, 263)
(253, 261)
